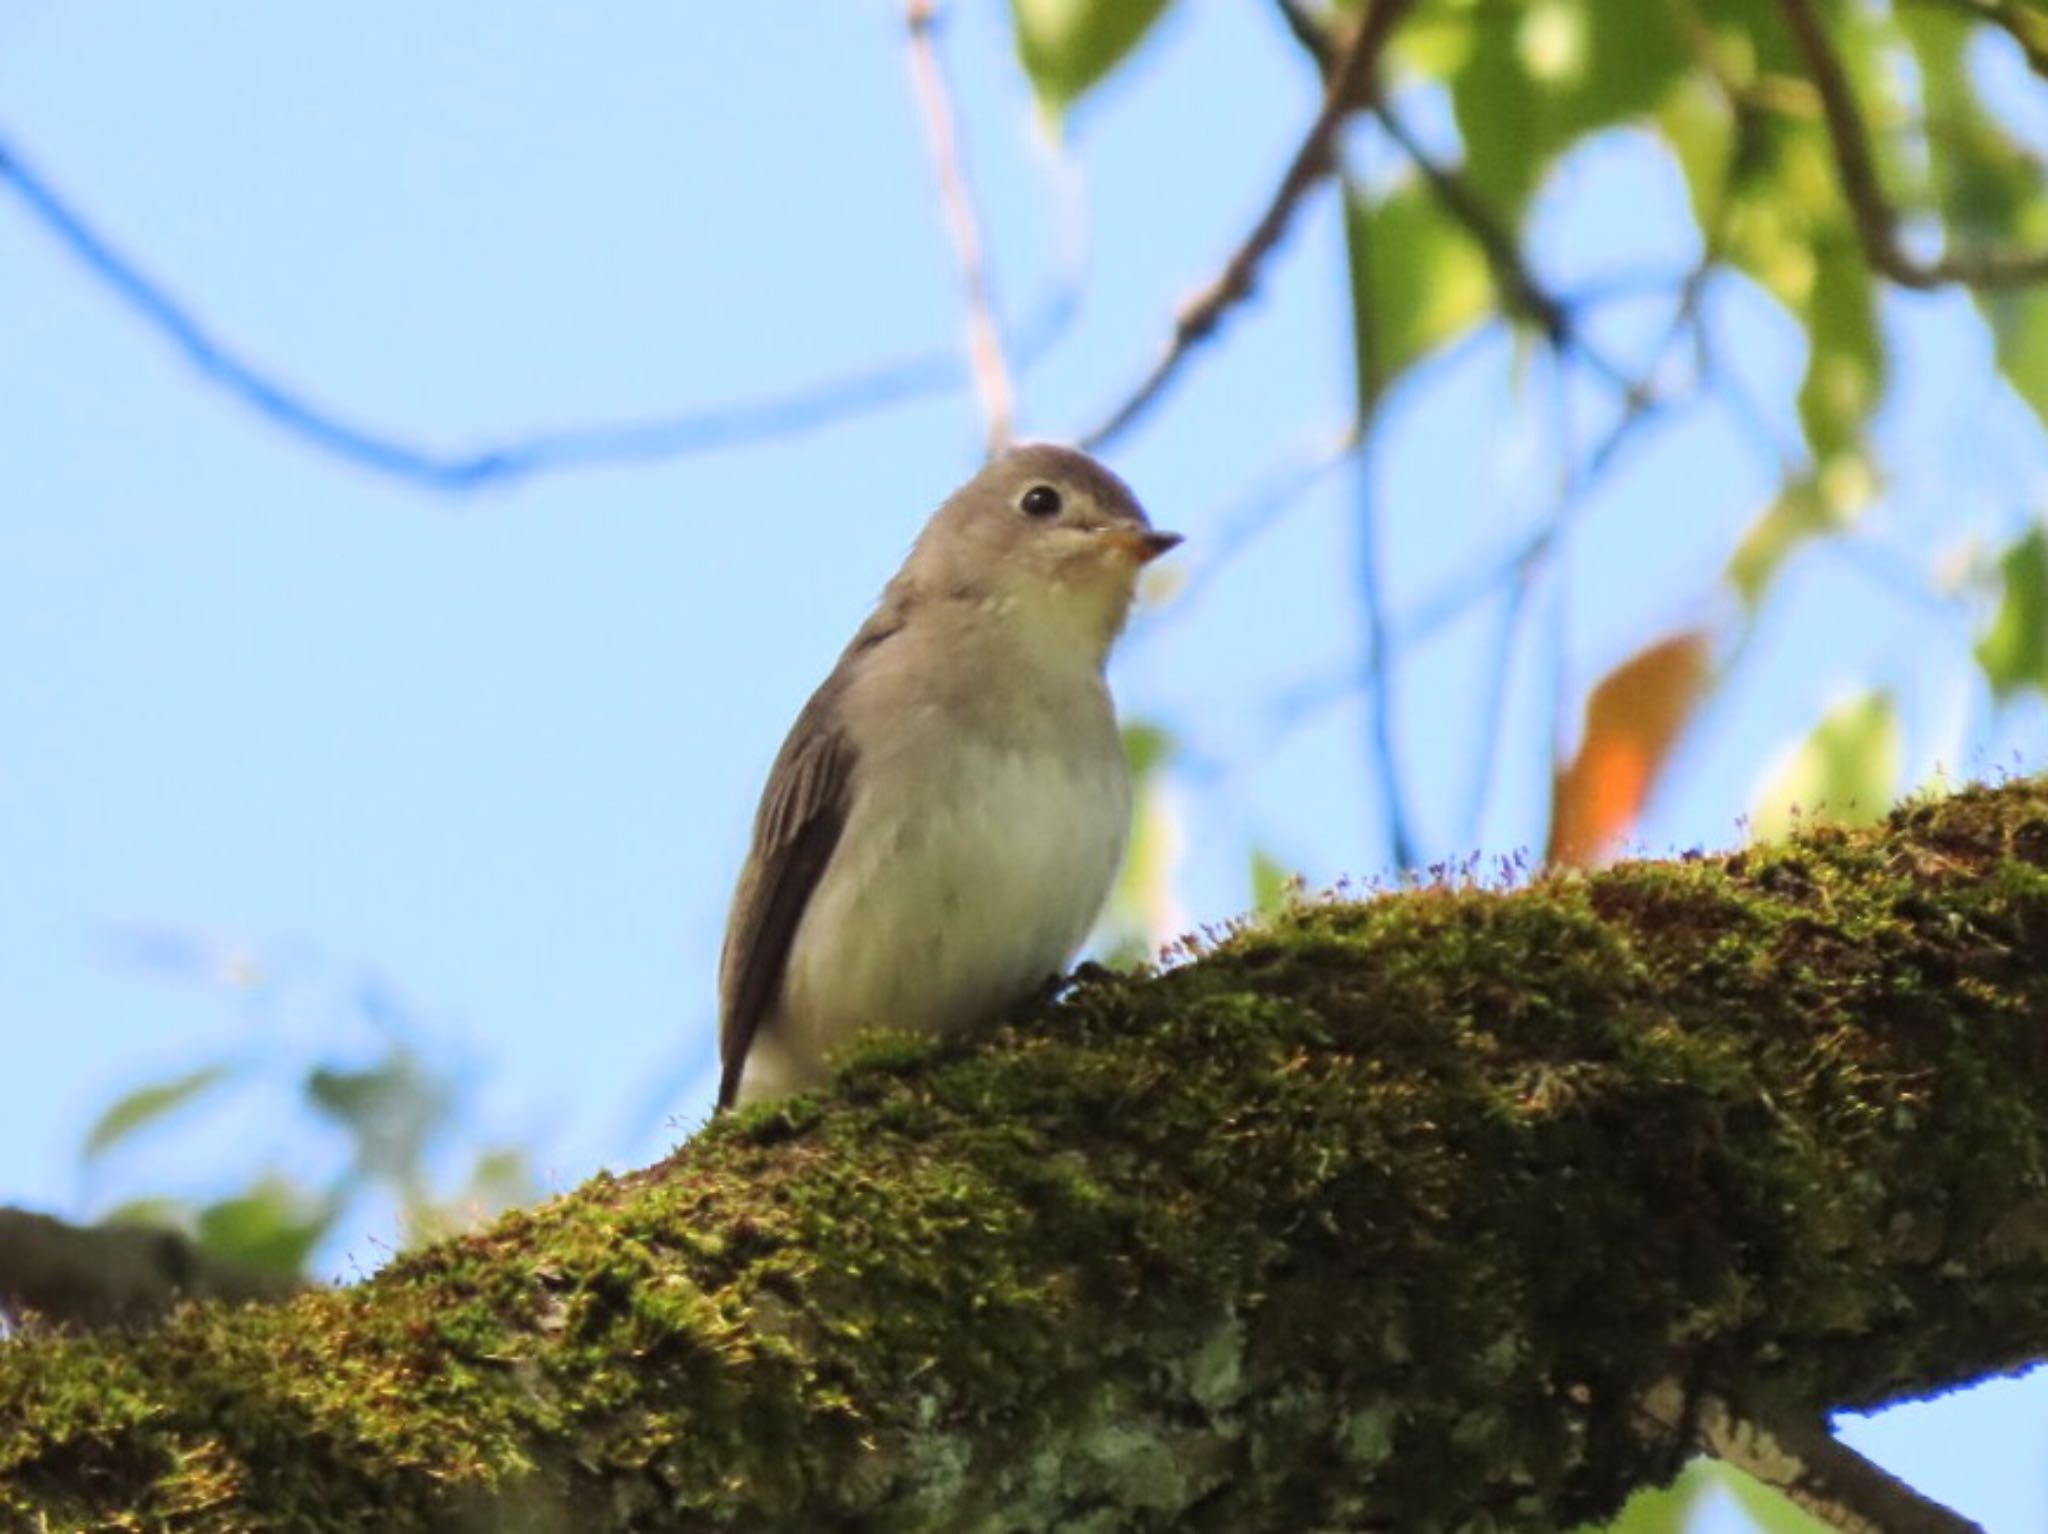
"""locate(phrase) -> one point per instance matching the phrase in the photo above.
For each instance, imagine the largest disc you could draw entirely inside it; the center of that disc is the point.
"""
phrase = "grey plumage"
(946, 815)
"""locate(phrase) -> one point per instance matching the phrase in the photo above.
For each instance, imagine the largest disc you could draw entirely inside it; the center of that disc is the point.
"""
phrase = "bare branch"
(1876, 222)
(984, 339)
(1351, 84)
(1249, 515)
(824, 403)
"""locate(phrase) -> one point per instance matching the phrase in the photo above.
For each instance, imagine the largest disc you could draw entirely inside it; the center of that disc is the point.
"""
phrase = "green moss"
(1380, 1212)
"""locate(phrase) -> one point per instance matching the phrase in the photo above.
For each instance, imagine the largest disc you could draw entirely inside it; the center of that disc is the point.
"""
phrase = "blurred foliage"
(1682, 1506)
(1142, 915)
(1728, 88)
(2014, 653)
(405, 1131)
(1068, 45)
(1846, 771)
(1418, 281)
(1633, 718)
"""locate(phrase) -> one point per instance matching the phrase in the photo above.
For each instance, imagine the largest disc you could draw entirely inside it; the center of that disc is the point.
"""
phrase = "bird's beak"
(1142, 543)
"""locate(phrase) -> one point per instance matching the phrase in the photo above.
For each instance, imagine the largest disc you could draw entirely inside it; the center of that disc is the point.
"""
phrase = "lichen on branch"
(1389, 1213)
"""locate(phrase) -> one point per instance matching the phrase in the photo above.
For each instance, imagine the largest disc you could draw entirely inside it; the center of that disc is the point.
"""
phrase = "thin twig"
(1876, 222)
(823, 403)
(985, 362)
(1494, 710)
(1376, 662)
(1522, 292)
(1249, 516)
(1457, 596)
(1350, 85)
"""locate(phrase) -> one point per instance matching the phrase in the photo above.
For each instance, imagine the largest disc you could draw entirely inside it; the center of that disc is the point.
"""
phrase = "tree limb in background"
(1876, 222)
(984, 338)
(820, 404)
(1793, 1452)
(1350, 86)
(1398, 1214)
(104, 1275)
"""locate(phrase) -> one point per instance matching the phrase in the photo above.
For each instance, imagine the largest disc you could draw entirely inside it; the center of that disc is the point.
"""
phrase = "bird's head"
(1046, 533)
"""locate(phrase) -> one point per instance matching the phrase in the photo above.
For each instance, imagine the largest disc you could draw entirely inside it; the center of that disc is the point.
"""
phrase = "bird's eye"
(1040, 501)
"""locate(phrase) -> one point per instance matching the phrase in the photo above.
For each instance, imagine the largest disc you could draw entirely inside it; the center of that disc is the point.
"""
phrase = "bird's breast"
(969, 870)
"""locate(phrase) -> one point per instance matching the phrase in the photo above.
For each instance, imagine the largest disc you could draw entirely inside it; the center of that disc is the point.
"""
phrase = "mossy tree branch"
(1393, 1214)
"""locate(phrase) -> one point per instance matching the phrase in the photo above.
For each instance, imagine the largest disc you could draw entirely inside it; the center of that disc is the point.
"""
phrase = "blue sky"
(496, 753)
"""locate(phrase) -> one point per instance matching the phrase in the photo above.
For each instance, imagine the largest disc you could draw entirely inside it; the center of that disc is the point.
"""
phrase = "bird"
(945, 819)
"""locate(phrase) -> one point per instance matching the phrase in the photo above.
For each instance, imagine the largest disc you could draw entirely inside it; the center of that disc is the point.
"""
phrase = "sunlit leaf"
(1803, 510)
(145, 1105)
(1417, 280)
(1700, 128)
(1272, 884)
(1144, 911)
(1539, 76)
(1767, 1509)
(2019, 327)
(1665, 1509)
(1846, 771)
(501, 1178)
(1070, 45)
(2014, 651)
(274, 1227)
(1633, 718)
(1147, 747)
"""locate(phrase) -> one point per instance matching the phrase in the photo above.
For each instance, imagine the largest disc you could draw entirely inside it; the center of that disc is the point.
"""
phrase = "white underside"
(942, 908)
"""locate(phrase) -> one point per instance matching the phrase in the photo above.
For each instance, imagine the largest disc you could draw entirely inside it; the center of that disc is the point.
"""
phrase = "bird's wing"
(802, 814)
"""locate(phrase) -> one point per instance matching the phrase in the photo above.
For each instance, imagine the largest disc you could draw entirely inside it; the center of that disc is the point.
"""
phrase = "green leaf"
(1665, 1509)
(150, 1214)
(1846, 771)
(1147, 748)
(1700, 127)
(2019, 328)
(1845, 360)
(1272, 884)
(273, 1226)
(500, 1179)
(1068, 46)
(1767, 1509)
(145, 1105)
(1808, 508)
(1507, 132)
(392, 1109)
(2014, 651)
(1417, 281)
(1541, 75)
(1984, 183)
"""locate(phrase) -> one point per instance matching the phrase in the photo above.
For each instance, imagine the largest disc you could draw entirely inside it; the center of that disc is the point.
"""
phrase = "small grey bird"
(943, 823)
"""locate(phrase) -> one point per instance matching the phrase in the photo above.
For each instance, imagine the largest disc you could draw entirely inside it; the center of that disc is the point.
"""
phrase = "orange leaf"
(1632, 720)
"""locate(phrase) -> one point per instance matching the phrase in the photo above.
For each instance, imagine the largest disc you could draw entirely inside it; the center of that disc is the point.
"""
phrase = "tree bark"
(1388, 1214)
